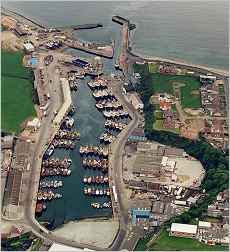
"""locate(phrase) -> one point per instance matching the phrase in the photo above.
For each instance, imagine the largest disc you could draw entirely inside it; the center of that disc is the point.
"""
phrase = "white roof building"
(164, 161)
(183, 228)
(136, 101)
(67, 102)
(29, 47)
(35, 123)
(60, 247)
(204, 224)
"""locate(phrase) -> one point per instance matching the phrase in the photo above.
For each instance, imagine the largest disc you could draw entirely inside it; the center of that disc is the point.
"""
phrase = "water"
(195, 32)
(191, 31)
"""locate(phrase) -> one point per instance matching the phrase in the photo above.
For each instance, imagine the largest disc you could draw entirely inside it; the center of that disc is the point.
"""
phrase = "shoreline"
(182, 63)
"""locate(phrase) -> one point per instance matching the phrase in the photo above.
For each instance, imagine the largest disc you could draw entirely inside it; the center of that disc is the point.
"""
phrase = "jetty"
(92, 48)
(125, 42)
(81, 26)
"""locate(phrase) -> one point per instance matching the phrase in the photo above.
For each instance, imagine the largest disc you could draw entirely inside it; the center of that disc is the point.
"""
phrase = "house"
(137, 76)
(183, 230)
(168, 113)
(165, 105)
(164, 97)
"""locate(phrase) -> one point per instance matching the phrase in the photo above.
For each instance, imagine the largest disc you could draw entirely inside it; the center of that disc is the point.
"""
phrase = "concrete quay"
(125, 41)
(100, 50)
(81, 27)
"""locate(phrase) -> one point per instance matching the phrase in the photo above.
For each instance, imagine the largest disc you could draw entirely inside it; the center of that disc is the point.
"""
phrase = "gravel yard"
(92, 232)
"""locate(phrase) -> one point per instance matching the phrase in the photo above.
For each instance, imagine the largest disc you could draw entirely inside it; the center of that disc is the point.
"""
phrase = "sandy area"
(188, 172)
(191, 128)
(10, 42)
(8, 21)
(97, 233)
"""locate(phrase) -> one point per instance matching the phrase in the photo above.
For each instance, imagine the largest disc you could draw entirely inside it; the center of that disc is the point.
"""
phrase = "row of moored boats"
(96, 180)
(56, 162)
(94, 150)
(101, 205)
(96, 192)
(71, 135)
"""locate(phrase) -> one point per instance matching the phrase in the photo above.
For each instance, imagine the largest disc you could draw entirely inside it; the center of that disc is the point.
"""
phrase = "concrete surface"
(98, 233)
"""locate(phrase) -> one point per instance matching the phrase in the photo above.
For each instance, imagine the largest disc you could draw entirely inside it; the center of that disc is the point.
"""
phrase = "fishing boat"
(117, 63)
(89, 180)
(85, 191)
(85, 179)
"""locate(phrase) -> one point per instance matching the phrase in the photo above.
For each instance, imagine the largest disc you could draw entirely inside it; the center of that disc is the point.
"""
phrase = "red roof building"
(165, 105)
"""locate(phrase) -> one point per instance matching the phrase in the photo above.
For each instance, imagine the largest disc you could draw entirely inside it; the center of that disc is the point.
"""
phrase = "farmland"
(16, 98)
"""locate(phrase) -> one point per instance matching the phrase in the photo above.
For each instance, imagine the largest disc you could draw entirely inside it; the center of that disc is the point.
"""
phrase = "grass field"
(16, 103)
(166, 242)
(153, 68)
(158, 125)
(12, 65)
(189, 100)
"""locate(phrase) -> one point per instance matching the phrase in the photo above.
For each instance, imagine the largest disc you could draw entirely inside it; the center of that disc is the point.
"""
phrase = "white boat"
(97, 192)
(68, 172)
(89, 180)
(117, 63)
(85, 179)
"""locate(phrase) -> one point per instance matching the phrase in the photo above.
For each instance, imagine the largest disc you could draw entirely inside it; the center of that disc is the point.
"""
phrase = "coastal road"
(117, 148)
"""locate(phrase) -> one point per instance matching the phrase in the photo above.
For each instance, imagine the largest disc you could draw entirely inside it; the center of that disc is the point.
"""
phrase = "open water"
(194, 32)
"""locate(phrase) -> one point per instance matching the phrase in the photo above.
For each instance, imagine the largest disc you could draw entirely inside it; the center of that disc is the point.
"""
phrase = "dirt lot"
(191, 128)
(10, 42)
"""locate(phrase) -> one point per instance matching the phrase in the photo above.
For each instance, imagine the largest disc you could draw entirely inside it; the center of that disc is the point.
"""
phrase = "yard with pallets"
(16, 94)
(165, 242)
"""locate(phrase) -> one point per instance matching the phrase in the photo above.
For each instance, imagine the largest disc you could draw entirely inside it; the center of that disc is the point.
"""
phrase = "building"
(137, 76)
(183, 230)
(165, 105)
(20, 32)
(34, 125)
(137, 213)
(128, 89)
(60, 247)
(205, 79)
(7, 142)
(136, 101)
(29, 47)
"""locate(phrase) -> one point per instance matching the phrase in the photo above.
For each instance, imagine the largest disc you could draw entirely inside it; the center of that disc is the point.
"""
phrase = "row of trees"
(214, 161)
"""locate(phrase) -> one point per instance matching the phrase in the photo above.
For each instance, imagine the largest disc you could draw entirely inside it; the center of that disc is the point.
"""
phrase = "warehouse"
(183, 230)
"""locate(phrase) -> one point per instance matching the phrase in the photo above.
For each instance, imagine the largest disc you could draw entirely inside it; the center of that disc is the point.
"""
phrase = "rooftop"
(183, 228)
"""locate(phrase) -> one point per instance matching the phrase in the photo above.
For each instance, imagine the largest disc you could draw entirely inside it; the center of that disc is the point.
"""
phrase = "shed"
(205, 224)
(29, 47)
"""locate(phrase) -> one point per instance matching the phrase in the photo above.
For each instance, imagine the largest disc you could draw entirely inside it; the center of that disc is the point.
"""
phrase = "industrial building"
(136, 101)
(183, 230)
(7, 142)
(29, 47)
(20, 32)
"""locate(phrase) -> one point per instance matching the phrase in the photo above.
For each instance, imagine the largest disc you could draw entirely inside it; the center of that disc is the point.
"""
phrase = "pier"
(123, 65)
(81, 27)
(96, 49)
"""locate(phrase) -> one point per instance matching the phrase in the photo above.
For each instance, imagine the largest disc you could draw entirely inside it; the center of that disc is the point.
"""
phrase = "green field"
(189, 100)
(16, 103)
(158, 125)
(153, 68)
(12, 65)
(166, 242)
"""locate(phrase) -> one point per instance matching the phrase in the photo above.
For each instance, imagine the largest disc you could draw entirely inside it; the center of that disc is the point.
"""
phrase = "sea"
(193, 32)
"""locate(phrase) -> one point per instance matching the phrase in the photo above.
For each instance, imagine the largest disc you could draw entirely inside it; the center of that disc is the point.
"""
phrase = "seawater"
(195, 32)
(190, 31)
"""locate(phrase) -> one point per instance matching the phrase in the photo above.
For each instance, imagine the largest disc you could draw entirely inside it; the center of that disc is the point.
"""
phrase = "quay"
(81, 27)
(125, 43)
(66, 105)
(96, 49)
